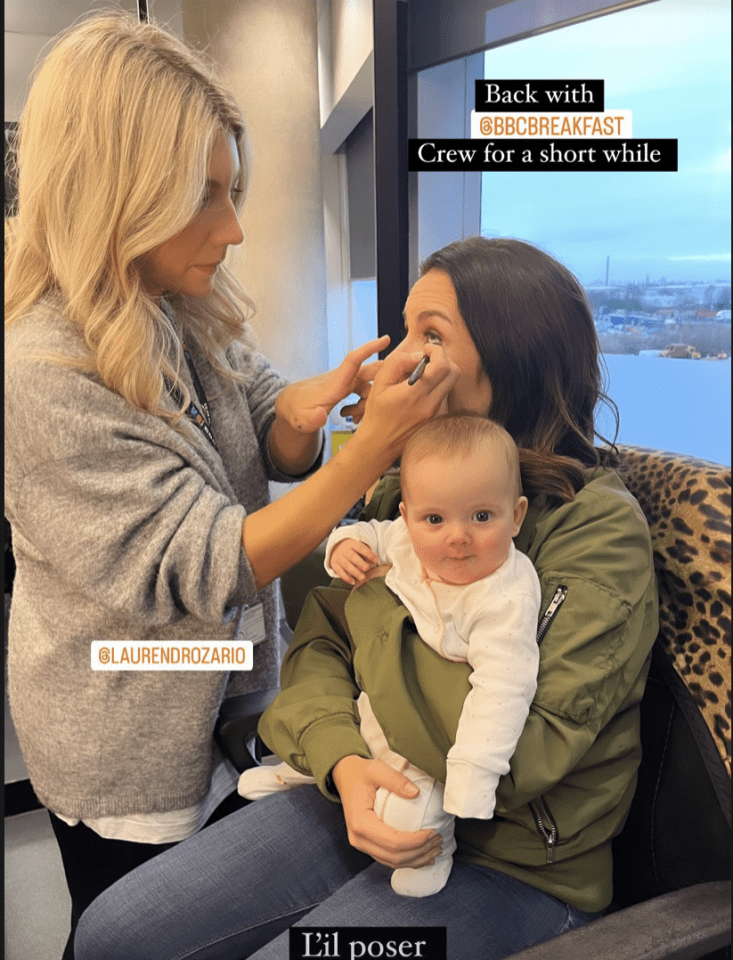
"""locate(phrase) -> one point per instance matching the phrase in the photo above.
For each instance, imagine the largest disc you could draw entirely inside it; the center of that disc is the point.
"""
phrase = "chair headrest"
(687, 505)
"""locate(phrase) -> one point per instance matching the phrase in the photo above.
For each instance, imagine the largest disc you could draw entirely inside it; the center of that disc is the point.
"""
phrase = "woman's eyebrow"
(216, 184)
(427, 314)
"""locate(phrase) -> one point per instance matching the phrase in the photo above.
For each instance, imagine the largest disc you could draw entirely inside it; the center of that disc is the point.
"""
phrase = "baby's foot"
(425, 810)
(261, 781)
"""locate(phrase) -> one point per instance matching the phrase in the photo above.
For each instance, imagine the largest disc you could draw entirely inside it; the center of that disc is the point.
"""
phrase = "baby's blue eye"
(434, 519)
(482, 516)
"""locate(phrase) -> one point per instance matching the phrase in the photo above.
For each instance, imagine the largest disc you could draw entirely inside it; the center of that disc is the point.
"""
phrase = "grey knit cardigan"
(125, 530)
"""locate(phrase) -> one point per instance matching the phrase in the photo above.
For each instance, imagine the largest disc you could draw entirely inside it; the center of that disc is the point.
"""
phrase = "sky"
(669, 63)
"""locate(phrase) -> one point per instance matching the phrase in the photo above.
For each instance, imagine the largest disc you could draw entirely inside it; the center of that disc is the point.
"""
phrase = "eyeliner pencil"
(418, 371)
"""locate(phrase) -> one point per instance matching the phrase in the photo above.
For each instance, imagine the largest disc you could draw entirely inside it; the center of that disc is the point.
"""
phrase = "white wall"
(346, 85)
(352, 41)
(448, 204)
(29, 26)
(21, 52)
(345, 67)
(266, 53)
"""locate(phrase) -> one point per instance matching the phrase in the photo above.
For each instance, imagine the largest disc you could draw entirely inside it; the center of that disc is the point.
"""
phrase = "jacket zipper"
(545, 824)
(549, 615)
(542, 816)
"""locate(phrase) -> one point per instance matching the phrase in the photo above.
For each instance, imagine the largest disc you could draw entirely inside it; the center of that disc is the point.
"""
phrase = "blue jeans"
(233, 891)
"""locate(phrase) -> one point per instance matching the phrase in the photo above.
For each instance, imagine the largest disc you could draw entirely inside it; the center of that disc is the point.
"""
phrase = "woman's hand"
(394, 408)
(277, 536)
(305, 405)
(357, 781)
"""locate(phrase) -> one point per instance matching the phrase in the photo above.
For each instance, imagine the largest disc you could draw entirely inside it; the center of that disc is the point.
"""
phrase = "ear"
(520, 512)
(403, 511)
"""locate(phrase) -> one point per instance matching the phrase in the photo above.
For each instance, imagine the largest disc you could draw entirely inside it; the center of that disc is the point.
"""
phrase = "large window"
(652, 249)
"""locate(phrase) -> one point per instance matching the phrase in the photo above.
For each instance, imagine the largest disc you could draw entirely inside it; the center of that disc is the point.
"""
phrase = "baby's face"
(461, 514)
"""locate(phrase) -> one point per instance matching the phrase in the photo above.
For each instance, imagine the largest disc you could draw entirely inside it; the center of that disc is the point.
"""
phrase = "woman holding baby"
(516, 325)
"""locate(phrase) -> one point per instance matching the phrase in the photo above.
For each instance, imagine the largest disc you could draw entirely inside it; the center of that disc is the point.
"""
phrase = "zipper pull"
(557, 599)
(549, 615)
(545, 825)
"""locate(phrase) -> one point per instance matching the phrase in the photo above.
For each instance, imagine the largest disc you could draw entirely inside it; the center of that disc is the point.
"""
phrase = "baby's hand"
(381, 570)
(351, 560)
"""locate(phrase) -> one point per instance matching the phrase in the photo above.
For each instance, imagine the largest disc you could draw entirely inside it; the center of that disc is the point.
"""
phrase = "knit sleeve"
(118, 503)
(260, 388)
(314, 720)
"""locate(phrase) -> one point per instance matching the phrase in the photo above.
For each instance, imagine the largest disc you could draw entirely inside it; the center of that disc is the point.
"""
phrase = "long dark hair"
(530, 321)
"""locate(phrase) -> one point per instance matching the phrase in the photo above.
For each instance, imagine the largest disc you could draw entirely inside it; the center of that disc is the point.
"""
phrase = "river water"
(679, 405)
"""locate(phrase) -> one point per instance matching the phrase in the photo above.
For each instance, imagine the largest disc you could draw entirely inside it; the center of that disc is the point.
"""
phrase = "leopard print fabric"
(687, 504)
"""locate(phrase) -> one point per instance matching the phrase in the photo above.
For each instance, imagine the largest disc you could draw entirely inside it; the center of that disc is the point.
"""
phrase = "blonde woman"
(141, 431)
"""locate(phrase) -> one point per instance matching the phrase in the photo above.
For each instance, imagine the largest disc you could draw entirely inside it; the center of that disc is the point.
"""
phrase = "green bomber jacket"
(573, 773)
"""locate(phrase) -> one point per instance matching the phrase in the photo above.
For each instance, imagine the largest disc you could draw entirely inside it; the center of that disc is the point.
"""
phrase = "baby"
(474, 598)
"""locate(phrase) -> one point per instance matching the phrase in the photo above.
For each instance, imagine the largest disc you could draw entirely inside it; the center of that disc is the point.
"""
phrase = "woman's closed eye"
(208, 197)
(429, 336)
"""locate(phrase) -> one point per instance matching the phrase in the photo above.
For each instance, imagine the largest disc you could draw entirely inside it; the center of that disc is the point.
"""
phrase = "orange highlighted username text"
(171, 655)
(540, 125)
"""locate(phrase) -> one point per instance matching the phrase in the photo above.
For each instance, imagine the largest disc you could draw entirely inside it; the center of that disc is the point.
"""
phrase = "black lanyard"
(198, 413)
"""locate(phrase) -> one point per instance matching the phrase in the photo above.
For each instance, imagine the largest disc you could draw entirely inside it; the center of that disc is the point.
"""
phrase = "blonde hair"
(460, 435)
(113, 152)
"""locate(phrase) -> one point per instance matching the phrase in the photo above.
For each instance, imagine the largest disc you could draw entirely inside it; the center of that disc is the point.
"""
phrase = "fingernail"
(412, 789)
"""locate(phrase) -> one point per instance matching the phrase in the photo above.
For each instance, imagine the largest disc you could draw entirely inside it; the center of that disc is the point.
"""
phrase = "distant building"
(680, 351)
(635, 318)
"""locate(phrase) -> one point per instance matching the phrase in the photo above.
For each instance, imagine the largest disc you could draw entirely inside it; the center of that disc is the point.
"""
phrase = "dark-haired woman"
(516, 324)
